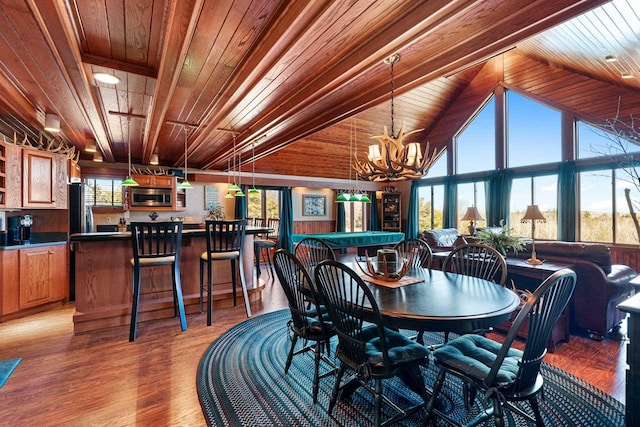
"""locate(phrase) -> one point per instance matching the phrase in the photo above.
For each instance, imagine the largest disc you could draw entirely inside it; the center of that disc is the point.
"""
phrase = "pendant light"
(253, 168)
(234, 186)
(129, 181)
(228, 195)
(362, 197)
(185, 182)
(239, 193)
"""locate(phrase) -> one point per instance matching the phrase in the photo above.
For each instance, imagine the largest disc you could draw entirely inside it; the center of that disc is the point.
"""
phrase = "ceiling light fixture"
(52, 122)
(129, 181)
(228, 195)
(239, 193)
(392, 160)
(626, 75)
(97, 157)
(610, 58)
(253, 168)
(154, 159)
(107, 78)
(90, 145)
(185, 182)
(234, 186)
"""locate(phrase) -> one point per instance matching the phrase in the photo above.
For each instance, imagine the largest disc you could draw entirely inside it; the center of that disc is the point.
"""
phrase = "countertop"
(113, 236)
(38, 240)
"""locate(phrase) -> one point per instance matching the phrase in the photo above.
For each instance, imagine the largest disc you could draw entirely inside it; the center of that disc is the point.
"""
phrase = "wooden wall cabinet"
(10, 176)
(33, 278)
(391, 212)
(44, 179)
(155, 181)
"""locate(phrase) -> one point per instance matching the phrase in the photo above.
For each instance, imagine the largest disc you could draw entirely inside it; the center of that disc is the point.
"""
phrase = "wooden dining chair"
(422, 254)
(501, 372)
(365, 346)
(309, 320)
(266, 245)
(310, 251)
(156, 244)
(477, 260)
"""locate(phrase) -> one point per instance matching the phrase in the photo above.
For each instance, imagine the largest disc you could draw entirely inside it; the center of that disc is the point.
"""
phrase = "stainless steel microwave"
(151, 197)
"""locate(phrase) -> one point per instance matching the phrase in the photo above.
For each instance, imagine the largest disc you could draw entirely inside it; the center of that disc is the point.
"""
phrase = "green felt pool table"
(359, 239)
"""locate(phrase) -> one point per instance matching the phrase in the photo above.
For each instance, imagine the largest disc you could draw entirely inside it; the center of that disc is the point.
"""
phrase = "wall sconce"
(52, 122)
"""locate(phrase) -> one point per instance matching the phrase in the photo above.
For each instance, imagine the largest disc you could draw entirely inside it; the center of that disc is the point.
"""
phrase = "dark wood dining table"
(444, 302)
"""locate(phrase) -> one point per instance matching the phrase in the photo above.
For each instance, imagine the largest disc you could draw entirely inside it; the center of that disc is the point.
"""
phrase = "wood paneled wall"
(308, 227)
(627, 256)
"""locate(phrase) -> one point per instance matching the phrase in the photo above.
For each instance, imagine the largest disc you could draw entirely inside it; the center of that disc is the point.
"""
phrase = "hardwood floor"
(101, 378)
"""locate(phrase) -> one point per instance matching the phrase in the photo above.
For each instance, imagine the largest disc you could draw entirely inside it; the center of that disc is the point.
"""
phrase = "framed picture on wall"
(314, 205)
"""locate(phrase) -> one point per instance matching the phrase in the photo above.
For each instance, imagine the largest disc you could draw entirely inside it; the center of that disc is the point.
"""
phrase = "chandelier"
(392, 159)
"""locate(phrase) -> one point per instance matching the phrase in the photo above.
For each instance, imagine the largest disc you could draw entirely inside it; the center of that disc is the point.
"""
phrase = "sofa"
(600, 285)
(443, 239)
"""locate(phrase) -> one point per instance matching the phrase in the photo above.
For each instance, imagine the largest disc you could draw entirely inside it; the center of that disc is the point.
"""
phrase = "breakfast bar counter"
(102, 276)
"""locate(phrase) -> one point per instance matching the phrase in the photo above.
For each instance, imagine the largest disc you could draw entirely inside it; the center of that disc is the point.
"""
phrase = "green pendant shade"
(129, 182)
(354, 198)
(253, 190)
(365, 199)
(342, 198)
(228, 196)
(234, 187)
(185, 184)
(239, 193)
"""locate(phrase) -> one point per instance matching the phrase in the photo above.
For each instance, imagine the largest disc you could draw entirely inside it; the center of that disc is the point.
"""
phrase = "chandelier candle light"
(533, 214)
(392, 160)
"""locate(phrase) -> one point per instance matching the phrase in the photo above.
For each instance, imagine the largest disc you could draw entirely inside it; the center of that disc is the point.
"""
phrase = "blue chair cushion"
(474, 355)
(401, 349)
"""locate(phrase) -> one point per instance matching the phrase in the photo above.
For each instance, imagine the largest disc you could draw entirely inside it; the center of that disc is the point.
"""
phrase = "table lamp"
(472, 215)
(533, 214)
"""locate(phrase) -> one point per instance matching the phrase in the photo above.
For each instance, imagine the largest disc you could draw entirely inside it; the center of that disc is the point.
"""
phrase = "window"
(430, 207)
(476, 144)
(439, 168)
(531, 124)
(604, 212)
(103, 192)
(263, 204)
(541, 191)
(355, 216)
(470, 194)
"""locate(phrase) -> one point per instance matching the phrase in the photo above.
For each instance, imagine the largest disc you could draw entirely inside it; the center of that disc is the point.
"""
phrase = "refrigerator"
(80, 221)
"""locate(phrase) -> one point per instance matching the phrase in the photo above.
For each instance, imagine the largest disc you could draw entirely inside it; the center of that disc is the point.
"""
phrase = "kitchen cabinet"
(155, 181)
(391, 212)
(33, 278)
(10, 176)
(44, 179)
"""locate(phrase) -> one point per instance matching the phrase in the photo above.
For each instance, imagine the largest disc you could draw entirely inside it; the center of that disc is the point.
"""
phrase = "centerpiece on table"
(388, 266)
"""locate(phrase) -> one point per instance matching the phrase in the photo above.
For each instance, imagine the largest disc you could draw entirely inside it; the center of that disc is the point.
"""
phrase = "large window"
(541, 191)
(476, 144)
(355, 216)
(430, 207)
(103, 192)
(264, 204)
(604, 211)
(534, 132)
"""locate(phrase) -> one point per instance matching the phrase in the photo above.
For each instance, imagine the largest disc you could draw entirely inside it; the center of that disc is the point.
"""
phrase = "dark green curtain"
(449, 205)
(497, 195)
(567, 201)
(241, 204)
(374, 215)
(340, 217)
(286, 219)
(413, 216)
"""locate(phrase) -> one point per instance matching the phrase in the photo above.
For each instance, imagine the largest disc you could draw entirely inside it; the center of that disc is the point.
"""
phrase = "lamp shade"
(472, 214)
(97, 157)
(52, 123)
(154, 159)
(342, 198)
(374, 153)
(533, 214)
(129, 182)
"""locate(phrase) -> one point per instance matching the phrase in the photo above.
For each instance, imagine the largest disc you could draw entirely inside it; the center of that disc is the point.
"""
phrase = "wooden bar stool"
(266, 244)
(225, 242)
(156, 244)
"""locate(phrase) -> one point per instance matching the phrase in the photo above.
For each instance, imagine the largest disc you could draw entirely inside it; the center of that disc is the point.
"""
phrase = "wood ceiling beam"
(119, 65)
(182, 18)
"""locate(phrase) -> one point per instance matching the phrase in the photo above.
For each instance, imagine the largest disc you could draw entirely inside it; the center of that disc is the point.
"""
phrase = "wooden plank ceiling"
(289, 75)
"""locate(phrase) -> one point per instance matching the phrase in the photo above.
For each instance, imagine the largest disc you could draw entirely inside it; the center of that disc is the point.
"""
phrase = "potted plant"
(502, 241)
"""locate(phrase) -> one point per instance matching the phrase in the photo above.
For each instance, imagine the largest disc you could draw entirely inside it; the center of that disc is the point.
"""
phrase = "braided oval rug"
(241, 382)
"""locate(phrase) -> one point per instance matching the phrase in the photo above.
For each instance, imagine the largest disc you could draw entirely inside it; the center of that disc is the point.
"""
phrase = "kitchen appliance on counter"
(19, 229)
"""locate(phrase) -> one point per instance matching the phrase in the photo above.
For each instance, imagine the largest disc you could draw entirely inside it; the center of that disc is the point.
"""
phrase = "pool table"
(359, 239)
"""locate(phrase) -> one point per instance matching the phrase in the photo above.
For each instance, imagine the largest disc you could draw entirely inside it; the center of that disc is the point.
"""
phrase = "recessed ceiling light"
(106, 78)
(626, 75)
(97, 157)
(90, 145)
(52, 123)
(154, 159)
(610, 58)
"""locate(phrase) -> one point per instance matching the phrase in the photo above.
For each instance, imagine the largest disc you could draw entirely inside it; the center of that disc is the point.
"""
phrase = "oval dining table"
(442, 301)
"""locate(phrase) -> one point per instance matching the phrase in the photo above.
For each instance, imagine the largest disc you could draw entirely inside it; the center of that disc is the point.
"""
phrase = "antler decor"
(395, 161)
(52, 145)
(381, 272)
